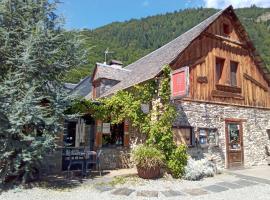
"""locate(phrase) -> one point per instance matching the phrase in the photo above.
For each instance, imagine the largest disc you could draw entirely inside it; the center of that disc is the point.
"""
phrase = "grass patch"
(120, 180)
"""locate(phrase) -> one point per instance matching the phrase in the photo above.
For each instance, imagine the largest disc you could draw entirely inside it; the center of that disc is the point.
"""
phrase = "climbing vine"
(157, 123)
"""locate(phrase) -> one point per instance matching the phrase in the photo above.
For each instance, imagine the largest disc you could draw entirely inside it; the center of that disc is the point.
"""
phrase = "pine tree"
(35, 54)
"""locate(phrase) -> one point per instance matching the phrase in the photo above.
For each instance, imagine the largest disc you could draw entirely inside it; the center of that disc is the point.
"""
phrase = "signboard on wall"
(145, 107)
(106, 128)
(180, 83)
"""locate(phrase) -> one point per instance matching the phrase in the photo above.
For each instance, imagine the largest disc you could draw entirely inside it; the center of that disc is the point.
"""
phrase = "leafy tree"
(35, 53)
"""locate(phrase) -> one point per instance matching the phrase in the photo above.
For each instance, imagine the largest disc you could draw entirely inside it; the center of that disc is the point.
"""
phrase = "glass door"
(234, 143)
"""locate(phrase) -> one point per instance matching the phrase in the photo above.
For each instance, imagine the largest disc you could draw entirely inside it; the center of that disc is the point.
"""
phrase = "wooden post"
(126, 133)
(98, 138)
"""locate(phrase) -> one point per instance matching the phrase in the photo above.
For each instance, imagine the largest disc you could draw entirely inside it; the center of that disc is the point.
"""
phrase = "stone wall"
(115, 158)
(255, 125)
(197, 115)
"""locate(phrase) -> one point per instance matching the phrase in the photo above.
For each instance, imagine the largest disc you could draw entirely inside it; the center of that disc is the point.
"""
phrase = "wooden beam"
(255, 82)
(222, 38)
(222, 94)
(222, 103)
(228, 88)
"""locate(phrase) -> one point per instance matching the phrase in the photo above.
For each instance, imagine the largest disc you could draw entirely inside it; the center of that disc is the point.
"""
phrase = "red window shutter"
(180, 82)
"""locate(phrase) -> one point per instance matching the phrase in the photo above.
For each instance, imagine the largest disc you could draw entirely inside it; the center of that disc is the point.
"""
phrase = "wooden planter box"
(149, 173)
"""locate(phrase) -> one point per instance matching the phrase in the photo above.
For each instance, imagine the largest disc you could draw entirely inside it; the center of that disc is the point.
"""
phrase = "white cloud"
(145, 3)
(235, 3)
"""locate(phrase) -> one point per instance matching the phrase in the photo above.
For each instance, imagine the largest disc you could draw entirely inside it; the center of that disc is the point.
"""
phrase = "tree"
(35, 54)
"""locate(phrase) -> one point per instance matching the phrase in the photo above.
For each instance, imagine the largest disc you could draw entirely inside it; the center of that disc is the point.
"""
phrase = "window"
(115, 137)
(208, 136)
(234, 136)
(203, 136)
(184, 136)
(233, 73)
(226, 29)
(220, 70)
(70, 133)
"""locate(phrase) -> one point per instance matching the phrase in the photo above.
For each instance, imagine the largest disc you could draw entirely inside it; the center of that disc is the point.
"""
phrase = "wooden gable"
(223, 66)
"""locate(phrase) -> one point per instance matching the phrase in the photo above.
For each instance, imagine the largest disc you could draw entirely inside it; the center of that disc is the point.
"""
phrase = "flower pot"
(149, 173)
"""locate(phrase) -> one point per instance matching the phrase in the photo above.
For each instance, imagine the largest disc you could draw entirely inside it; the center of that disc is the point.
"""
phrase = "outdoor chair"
(94, 159)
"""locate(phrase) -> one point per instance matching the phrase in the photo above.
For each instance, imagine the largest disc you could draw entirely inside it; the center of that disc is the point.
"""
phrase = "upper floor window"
(233, 73)
(220, 69)
(227, 75)
(226, 29)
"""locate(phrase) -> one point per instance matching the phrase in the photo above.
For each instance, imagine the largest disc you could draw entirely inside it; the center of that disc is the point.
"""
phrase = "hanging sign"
(145, 108)
(106, 128)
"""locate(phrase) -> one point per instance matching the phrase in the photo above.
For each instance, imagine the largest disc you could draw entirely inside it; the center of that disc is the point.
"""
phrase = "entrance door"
(234, 143)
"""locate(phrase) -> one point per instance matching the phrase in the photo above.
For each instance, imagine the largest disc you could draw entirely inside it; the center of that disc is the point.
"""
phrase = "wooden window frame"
(207, 136)
(226, 29)
(217, 79)
(192, 137)
(236, 73)
(225, 85)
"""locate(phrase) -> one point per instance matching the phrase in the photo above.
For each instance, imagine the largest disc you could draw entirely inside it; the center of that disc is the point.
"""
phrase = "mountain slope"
(133, 39)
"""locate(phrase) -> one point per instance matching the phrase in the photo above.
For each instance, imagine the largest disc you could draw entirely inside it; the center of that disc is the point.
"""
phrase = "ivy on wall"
(157, 123)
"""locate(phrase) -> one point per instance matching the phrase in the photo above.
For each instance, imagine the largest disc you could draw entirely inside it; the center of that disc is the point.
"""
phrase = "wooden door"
(234, 143)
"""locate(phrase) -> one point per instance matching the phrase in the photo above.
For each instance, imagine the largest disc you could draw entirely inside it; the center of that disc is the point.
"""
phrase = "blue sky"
(95, 13)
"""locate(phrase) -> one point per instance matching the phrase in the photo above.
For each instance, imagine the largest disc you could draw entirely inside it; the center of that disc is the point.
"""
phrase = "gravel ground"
(89, 190)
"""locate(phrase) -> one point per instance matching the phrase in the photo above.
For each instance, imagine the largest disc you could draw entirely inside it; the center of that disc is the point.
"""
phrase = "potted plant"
(148, 161)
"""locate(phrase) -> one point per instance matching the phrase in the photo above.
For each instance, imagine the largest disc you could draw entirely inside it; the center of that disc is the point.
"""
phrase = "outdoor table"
(80, 156)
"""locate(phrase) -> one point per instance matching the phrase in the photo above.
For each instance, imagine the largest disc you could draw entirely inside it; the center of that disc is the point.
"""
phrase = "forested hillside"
(133, 39)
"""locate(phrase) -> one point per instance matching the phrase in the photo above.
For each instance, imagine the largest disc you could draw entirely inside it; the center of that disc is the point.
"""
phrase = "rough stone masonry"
(255, 126)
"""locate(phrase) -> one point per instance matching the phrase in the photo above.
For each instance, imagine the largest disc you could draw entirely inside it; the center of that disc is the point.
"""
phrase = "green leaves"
(178, 161)
(35, 54)
(147, 157)
(157, 124)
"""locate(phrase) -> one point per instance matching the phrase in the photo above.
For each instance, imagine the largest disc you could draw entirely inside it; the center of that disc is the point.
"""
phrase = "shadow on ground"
(56, 182)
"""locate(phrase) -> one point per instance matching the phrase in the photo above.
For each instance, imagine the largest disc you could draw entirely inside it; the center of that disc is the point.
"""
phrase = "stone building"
(220, 87)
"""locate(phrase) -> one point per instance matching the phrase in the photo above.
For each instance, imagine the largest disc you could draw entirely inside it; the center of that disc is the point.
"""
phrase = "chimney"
(116, 63)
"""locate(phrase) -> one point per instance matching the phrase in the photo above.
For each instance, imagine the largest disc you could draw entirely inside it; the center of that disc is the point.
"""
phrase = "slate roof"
(69, 86)
(152, 64)
(113, 72)
(83, 88)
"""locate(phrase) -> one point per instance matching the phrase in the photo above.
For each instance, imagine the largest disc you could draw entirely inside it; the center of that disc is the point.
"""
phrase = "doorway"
(234, 143)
